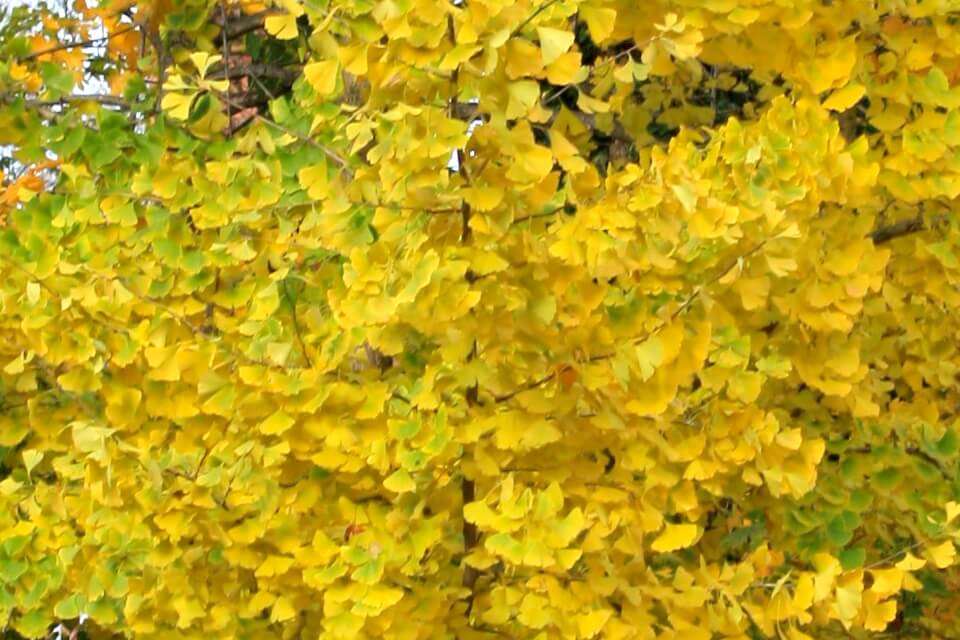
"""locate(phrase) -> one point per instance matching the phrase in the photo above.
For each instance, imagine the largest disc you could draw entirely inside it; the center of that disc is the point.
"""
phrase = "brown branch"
(104, 99)
(243, 25)
(716, 278)
(256, 69)
(469, 111)
(689, 301)
(343, 164)
(928, 631)
(74, 45)
(203, 458)
(683, 307)
(909, 450)
(890, 232)
(296, 323)
(527, 387)
(532, 16)
(533, 216)
(226, 60)
(471, 536)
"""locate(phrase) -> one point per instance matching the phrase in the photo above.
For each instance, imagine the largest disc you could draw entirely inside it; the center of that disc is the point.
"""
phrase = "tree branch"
(226, 59)
(243, 25)
(527, 387)
(532, 16)
(75, 45)
(104, 99)
(909, 450)
(468, 112)
(296, 322)
(889, 232)
(343, 164)
(256, 69)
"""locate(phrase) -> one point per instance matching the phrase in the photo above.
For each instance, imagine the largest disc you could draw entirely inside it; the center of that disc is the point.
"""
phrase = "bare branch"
(897, 229)
(226, 59)
(243, 25)
(296, 323)
(910, 450)
(104, 99)
(532, 16)
(76, 45)
(527, 387)
(259, 70)
(343, 164)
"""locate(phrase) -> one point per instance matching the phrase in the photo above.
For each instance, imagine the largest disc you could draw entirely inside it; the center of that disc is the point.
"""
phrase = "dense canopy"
(480, 319)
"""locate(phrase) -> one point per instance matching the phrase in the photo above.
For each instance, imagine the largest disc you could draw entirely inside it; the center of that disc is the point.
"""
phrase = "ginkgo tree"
(480, 319)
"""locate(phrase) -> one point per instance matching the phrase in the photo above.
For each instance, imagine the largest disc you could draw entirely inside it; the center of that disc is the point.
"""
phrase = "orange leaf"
(567, 375)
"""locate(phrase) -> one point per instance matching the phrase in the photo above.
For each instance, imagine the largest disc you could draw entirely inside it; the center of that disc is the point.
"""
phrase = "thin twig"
(689, 301)
(533, 216)
(527, 387)
(909, 450)
(296, 323)
(299, 136)
(245, 24)
(884, 560)
(74, 45)
(532, 16)
(897, 229)
(716, 278)
(256, 69)
(104, 99)
(226, 61)
(203, 458)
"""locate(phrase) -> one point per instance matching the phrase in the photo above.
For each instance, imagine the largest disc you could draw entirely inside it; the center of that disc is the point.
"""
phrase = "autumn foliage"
(480, 319)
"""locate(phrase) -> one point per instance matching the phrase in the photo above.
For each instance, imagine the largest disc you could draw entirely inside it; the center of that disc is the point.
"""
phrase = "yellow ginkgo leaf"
(878, 614)
(590, 624)
(203, 61)
(188, 610)
(33, 292)
(282, 27)
(795, 634)
(843, 99)
(274, 566)
(674, 537)
(535, 611)
(600, 21)
(380, 597)
(177, 105)
(31, 458)
(803, 593)
(943, 554)
(849, 595)
(315, 180)
(649, 356)
(261, 600)
(282, 610)
(553, 43)
(567, 69)
(400, 481)
(484, 198)
(953, 510)
(15, 366)
(911, 562)
(276, 424)
(322, 76)
(745, 386)
(886, 581)
(18, 71)
(523, 96)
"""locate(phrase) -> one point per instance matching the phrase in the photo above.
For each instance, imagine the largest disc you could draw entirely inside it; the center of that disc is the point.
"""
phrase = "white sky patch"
(454, 163)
